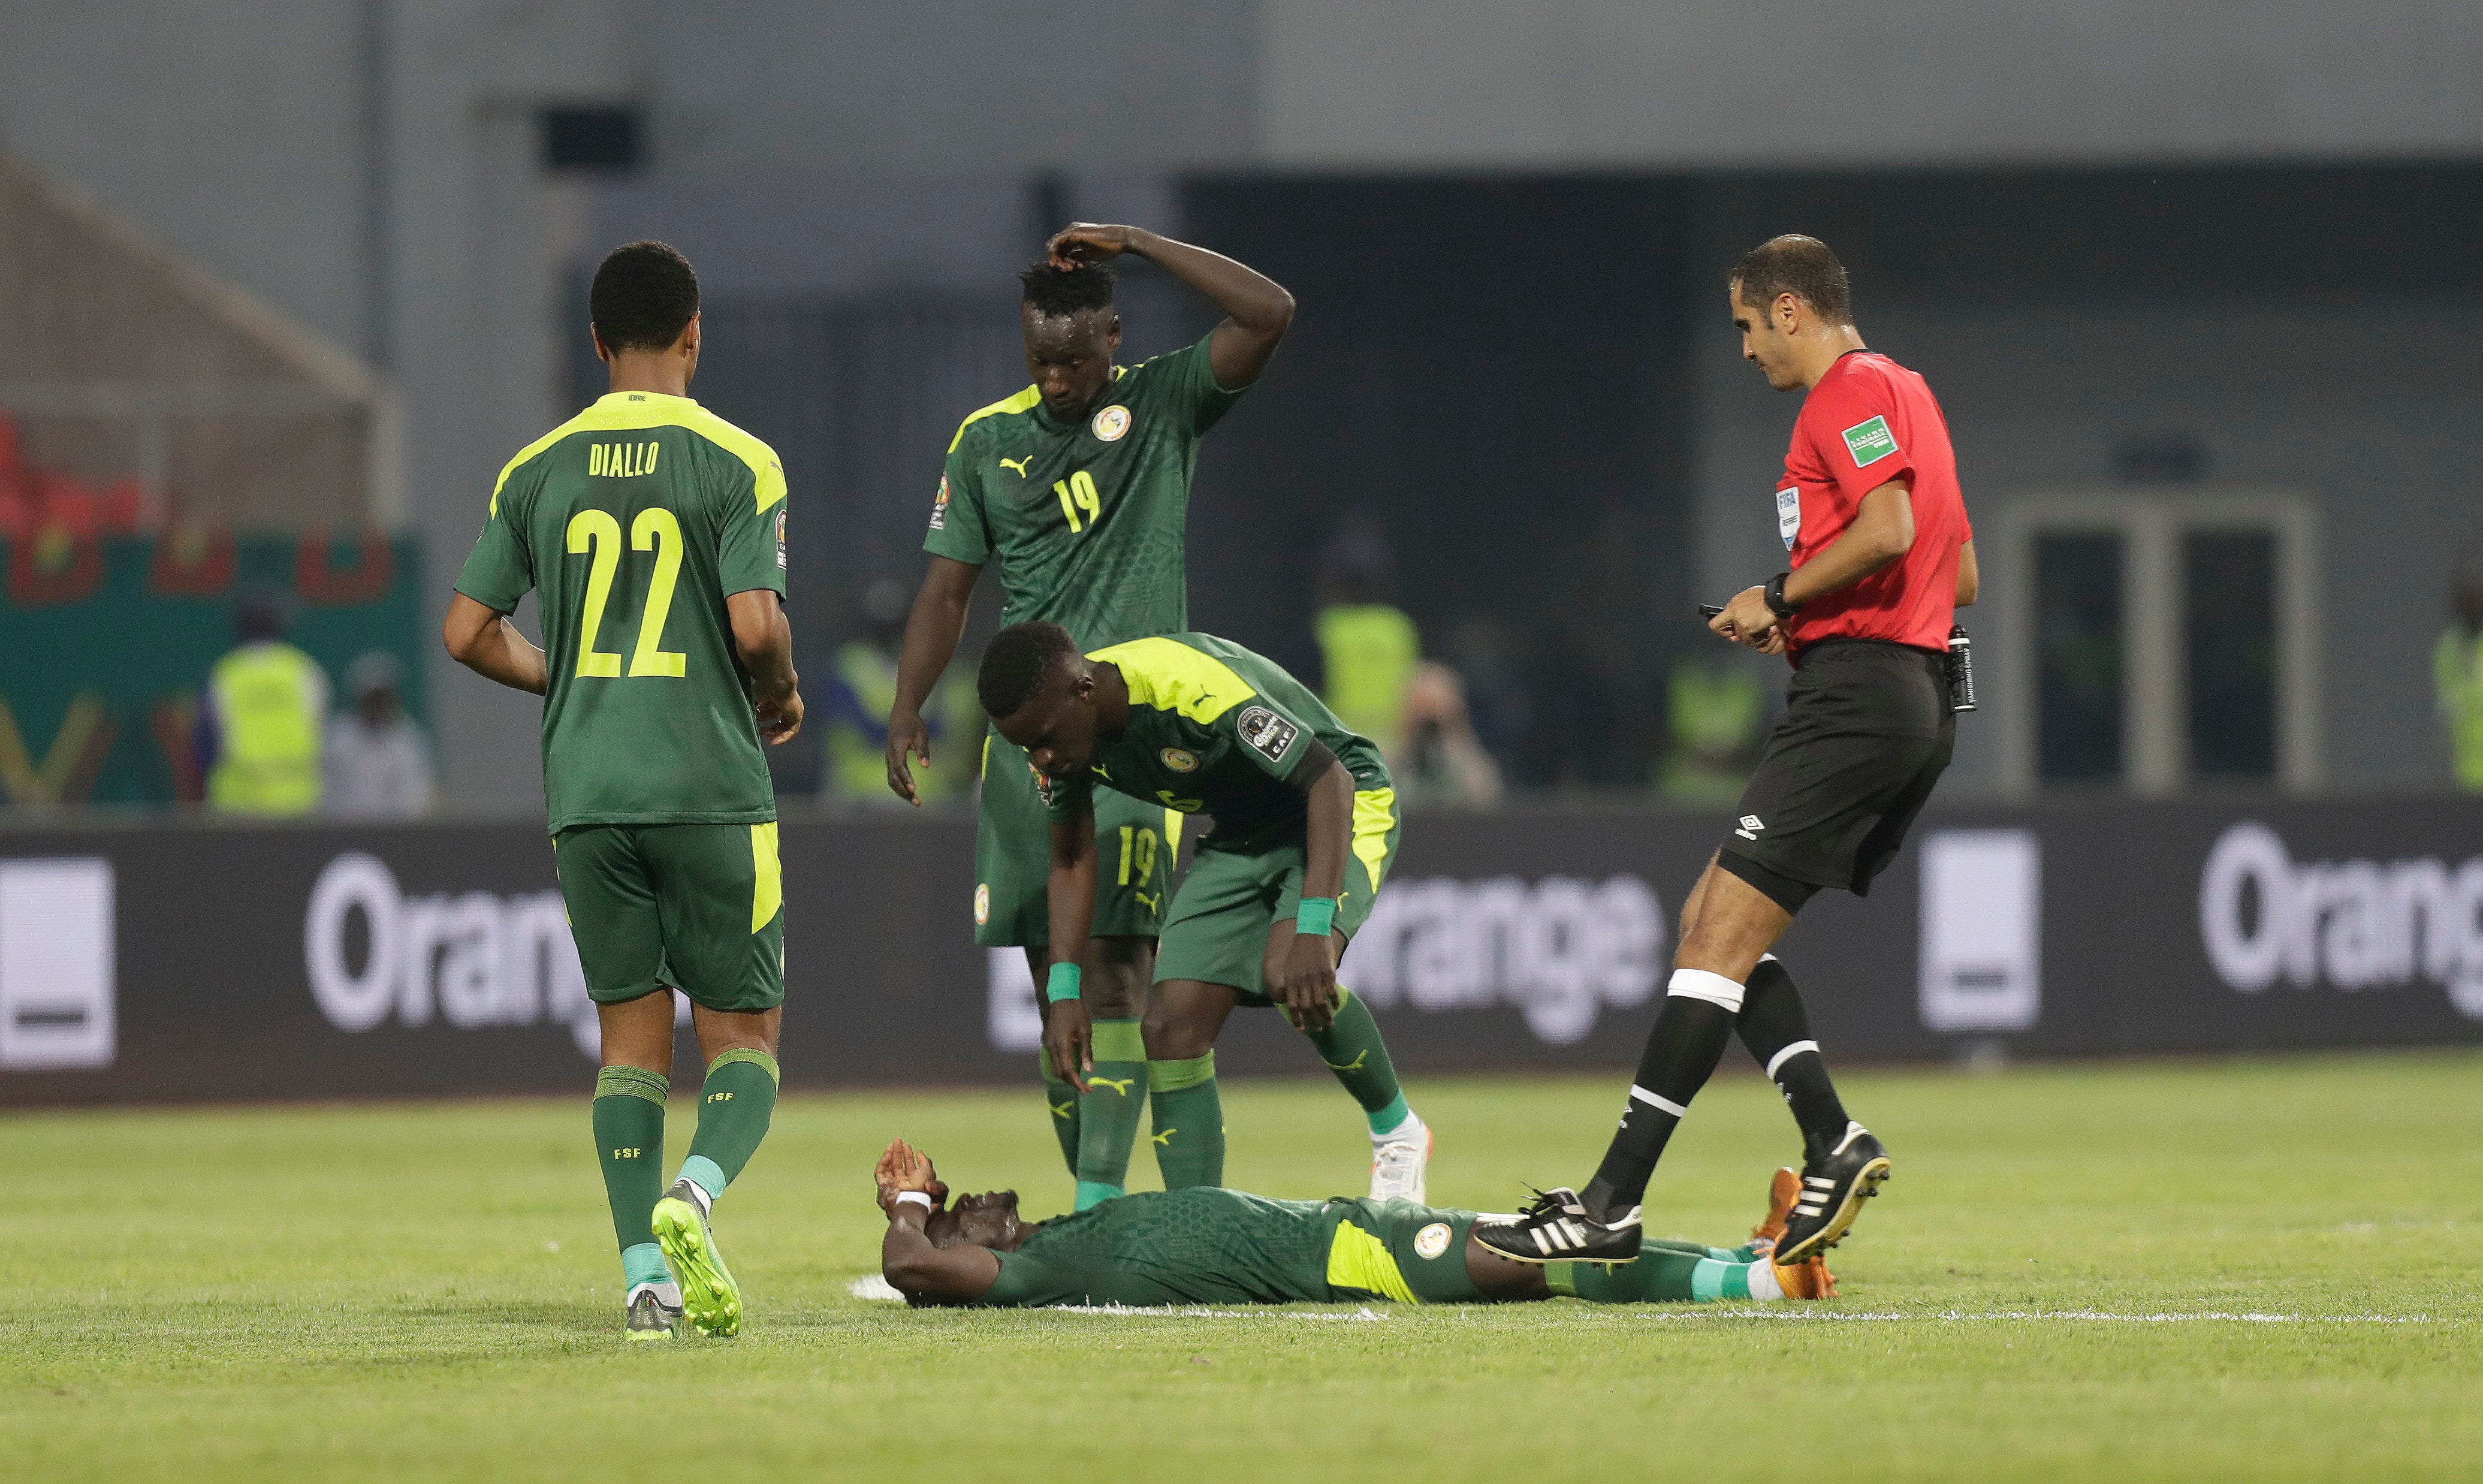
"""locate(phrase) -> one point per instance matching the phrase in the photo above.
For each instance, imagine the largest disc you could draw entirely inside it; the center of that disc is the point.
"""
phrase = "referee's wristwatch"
(1774, 595)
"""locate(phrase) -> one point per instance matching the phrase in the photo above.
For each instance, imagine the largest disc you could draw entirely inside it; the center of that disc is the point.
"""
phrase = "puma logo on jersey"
(1018, 464)
(621, 460)
(1120, 1085)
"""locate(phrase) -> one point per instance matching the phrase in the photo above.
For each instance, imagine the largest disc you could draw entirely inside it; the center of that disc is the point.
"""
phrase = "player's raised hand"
(1309, 992)
(1069, 1041)
(908, 734)
(1081, 243)
(901, 1168)
(779, 720)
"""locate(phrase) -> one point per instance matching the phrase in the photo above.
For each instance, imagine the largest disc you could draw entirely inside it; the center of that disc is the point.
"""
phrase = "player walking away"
(1306, 827)
(1080, 485)
(1209, 1246)
(1882, 555)
(654, 533)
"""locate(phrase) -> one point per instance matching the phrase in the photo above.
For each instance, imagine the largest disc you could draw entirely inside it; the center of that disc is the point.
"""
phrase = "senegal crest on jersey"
(1113, 422)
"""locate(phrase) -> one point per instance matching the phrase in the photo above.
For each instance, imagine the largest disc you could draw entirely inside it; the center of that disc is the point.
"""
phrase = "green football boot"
(711, 1300)
(650, 1317)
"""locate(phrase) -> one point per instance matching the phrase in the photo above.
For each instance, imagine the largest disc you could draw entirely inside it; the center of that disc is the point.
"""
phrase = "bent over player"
(652, 532)
(1211, 1246)
(1305, 828)
(1078, 487)
(1881, 556)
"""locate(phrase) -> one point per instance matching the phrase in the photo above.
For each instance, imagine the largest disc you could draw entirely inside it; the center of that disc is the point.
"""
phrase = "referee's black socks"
(1682, 1049)
(1773, 1026)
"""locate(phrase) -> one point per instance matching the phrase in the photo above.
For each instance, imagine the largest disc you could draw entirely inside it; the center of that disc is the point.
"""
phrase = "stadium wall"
(154, 965)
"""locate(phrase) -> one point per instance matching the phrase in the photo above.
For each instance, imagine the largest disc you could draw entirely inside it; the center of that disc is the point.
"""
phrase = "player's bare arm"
(484, 641)
(1881, 532)
(931, 632)
(956, 1273)
(1970, 577)
(1068, 1031)
(764, 641)
(1257, 308)
(1308, 991)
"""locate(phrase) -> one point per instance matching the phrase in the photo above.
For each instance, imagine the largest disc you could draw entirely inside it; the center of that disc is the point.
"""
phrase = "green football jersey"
(634, 521)
(1088, 521)
(1197, 1245)
(1217, 730)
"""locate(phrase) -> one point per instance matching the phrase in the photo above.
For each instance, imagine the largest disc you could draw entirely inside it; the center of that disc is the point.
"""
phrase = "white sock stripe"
(1700, 984)
(1788, 1055)
(1642, 1095)
(1769, 958)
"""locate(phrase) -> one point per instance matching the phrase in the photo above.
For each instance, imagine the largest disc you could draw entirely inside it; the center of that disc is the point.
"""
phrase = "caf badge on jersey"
(1431, 1241)
(982, 903)
(1180, 762)
(940, 507)
(780, 538)
(1113, 422)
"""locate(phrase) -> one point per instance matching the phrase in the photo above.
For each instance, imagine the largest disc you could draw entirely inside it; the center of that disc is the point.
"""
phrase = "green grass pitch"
(2263, 1269)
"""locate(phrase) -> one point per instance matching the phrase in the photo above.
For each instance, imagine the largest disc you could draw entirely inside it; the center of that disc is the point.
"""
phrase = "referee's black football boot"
(1557, 1229)
(1835, 1182)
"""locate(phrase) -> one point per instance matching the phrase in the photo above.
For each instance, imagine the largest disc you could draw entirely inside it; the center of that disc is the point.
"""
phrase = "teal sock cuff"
(1389, 1117)
(756, 1058)
(704, 1173)
(1094, 1193)
(1119, 1041)
(632, 1082)
(1707, 1281)
(643, 1264)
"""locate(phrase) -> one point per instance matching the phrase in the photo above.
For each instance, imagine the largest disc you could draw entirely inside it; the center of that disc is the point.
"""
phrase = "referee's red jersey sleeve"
(1858, 434)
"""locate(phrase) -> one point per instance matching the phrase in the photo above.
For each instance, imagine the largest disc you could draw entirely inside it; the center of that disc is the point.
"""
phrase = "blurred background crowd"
(284, 282)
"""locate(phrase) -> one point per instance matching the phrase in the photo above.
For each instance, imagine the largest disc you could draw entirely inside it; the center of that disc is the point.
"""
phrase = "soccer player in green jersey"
(652, 532)
(1078, 487)
(1305, 828)
(1209, 1246)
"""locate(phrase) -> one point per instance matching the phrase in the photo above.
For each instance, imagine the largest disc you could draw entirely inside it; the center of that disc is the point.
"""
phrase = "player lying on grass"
(1204, 1245)
(1305, 825)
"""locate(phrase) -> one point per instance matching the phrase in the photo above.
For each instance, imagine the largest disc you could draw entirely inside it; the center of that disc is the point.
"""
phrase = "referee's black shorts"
(1867, 730)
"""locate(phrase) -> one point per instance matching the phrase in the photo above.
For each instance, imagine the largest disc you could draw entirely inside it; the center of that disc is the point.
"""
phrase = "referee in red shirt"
(1881, 556)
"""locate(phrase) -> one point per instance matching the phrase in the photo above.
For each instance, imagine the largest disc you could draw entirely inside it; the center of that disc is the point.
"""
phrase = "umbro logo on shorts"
(1750, 826)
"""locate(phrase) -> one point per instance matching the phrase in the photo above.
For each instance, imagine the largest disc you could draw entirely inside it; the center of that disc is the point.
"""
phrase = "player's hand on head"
(907, 735)
(1081, 243)
(1069, 1041)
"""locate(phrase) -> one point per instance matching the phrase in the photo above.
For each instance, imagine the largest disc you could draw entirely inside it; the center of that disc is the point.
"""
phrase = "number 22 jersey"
(633, 521)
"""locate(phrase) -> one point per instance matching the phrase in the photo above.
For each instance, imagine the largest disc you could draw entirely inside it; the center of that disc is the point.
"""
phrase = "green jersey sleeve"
(1191, 374)
(958, 530)
(1268, 735)
(750, 553)
(500, 569)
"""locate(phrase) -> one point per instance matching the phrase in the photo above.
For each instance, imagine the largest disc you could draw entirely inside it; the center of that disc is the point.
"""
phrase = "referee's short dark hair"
(1053, 291)
(1800, 266)
(643, 297)
(1019, 660)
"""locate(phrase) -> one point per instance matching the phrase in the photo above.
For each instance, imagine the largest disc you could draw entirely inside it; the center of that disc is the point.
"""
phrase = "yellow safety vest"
(267, 703)
(1370, 651)
(1714, 718)
(2457, 672)
(857, 754)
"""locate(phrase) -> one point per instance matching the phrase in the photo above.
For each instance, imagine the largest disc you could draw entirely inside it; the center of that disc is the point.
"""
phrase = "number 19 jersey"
(633, 521)
(1088, 520)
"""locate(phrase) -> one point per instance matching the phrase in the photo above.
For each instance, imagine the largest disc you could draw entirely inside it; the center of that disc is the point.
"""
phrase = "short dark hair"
(1067, 290)
(643, 297)
(1019, 660)
(1800, 266)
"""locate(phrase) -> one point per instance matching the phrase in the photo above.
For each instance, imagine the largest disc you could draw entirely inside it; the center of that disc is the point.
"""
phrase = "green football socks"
(1190, 1121)
(734, 1105)
(629, 1147)
(1107, 1112)
(1062, 1099)
(1352, 1049)
(1665, 1272)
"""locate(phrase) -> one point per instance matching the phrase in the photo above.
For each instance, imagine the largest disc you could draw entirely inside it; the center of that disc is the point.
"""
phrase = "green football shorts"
(697, 907)
(1134, 845)
(1217, 931)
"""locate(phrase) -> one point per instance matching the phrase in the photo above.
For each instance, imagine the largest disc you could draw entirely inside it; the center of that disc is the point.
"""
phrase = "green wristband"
(1316, 915)
(1064, 984)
